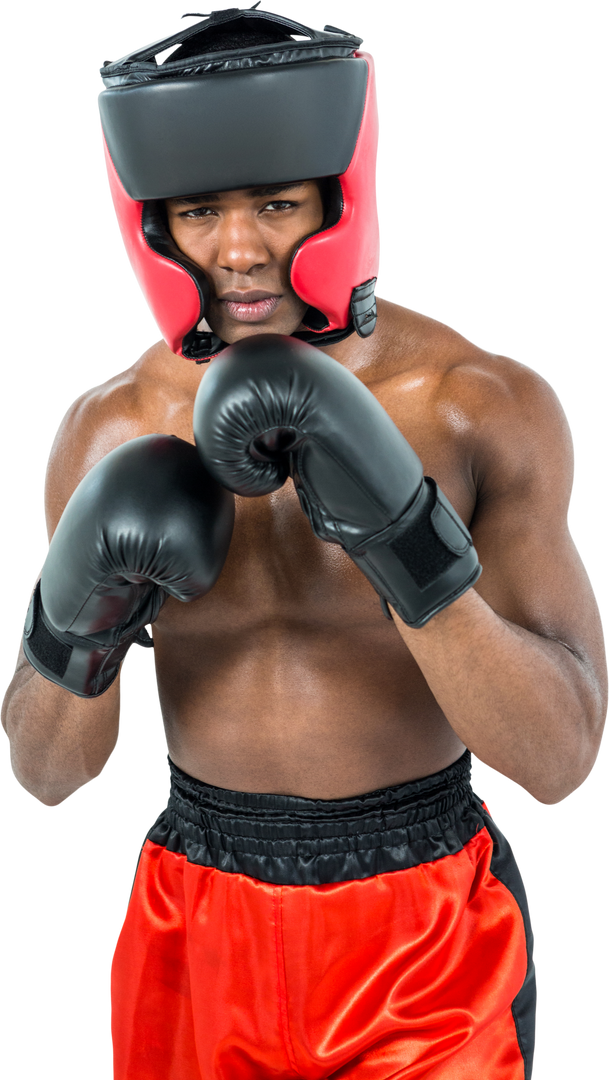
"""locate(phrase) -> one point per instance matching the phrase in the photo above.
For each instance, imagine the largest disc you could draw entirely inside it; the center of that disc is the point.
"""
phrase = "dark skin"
(286, 677)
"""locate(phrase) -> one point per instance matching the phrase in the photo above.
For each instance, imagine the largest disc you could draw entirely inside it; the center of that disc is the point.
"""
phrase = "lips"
(249, 307)
(252, 297)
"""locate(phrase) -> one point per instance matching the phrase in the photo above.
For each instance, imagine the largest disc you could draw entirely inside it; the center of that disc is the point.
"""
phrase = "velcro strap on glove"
(82, 666)
(423, 561)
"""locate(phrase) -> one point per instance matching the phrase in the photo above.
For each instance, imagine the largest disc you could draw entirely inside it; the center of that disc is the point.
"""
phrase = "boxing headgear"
(184, 127)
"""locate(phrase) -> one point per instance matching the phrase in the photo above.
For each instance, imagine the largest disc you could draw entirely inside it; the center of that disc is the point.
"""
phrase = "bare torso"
(287, 677)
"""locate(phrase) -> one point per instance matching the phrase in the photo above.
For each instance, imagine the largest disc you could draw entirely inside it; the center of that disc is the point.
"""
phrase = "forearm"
(524, 704)
(58, 741)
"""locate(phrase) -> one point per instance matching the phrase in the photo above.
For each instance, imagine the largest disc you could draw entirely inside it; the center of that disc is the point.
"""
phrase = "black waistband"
(289, 840)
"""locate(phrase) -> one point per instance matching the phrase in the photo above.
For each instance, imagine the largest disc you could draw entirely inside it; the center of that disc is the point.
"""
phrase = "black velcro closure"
(48, 650)
(419, 548)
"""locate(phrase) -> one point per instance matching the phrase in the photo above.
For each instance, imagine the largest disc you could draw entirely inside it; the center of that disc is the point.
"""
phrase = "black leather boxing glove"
(147, 522)
(271, 406)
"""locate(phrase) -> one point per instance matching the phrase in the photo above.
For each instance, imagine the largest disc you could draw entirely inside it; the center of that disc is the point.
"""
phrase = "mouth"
(250, 306)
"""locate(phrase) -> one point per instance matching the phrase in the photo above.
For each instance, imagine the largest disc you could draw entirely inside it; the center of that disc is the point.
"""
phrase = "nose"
(241, 247)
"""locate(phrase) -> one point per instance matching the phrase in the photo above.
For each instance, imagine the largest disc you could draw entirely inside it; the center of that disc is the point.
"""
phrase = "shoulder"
(513, 426)
(131, 403)
(152, 396)
(414, 347)
(102, 417)
(504, 416)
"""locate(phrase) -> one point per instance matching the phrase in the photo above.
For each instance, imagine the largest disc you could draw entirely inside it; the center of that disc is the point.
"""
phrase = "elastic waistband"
(285, 839)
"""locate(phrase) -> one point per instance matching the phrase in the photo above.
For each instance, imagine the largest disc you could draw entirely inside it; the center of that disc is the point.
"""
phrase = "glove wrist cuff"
(424, 561)
(83, 667)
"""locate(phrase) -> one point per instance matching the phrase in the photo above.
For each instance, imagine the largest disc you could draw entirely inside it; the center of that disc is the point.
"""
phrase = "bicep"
(532, 573)
(534, 577)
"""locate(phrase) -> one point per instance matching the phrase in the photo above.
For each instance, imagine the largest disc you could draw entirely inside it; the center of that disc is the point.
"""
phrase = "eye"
(193, 213)
(202, 211)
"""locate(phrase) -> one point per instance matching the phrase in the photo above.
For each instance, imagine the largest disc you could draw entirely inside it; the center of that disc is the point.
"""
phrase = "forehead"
(247, 194)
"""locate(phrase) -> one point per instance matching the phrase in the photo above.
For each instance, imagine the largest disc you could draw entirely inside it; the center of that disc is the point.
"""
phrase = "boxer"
(324, 894)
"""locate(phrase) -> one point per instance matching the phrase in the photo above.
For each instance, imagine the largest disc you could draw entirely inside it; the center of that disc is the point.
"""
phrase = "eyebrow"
(253, 193)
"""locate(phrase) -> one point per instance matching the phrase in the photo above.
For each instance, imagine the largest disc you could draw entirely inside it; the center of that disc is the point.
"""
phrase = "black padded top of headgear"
(229, 40)
(246, 99)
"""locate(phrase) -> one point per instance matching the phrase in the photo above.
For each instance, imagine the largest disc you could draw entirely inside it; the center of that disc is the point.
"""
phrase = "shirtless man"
(287, 679)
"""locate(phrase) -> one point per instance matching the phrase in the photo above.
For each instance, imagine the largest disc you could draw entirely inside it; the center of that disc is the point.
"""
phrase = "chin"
(238, 331)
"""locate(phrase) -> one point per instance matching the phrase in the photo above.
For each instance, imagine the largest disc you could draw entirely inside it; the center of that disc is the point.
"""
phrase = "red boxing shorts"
(270, 937)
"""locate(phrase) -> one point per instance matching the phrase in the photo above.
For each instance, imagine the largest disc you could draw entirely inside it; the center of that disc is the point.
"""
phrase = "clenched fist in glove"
(147, 522)
(271, 407)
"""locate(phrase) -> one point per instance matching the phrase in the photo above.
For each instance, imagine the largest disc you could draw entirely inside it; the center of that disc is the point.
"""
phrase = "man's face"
(243, 240)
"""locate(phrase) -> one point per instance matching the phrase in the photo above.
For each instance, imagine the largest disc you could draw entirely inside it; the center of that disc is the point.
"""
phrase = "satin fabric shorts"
(270, 938)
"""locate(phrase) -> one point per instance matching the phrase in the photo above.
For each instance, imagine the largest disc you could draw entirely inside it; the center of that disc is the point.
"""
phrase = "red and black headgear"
(183, 127)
